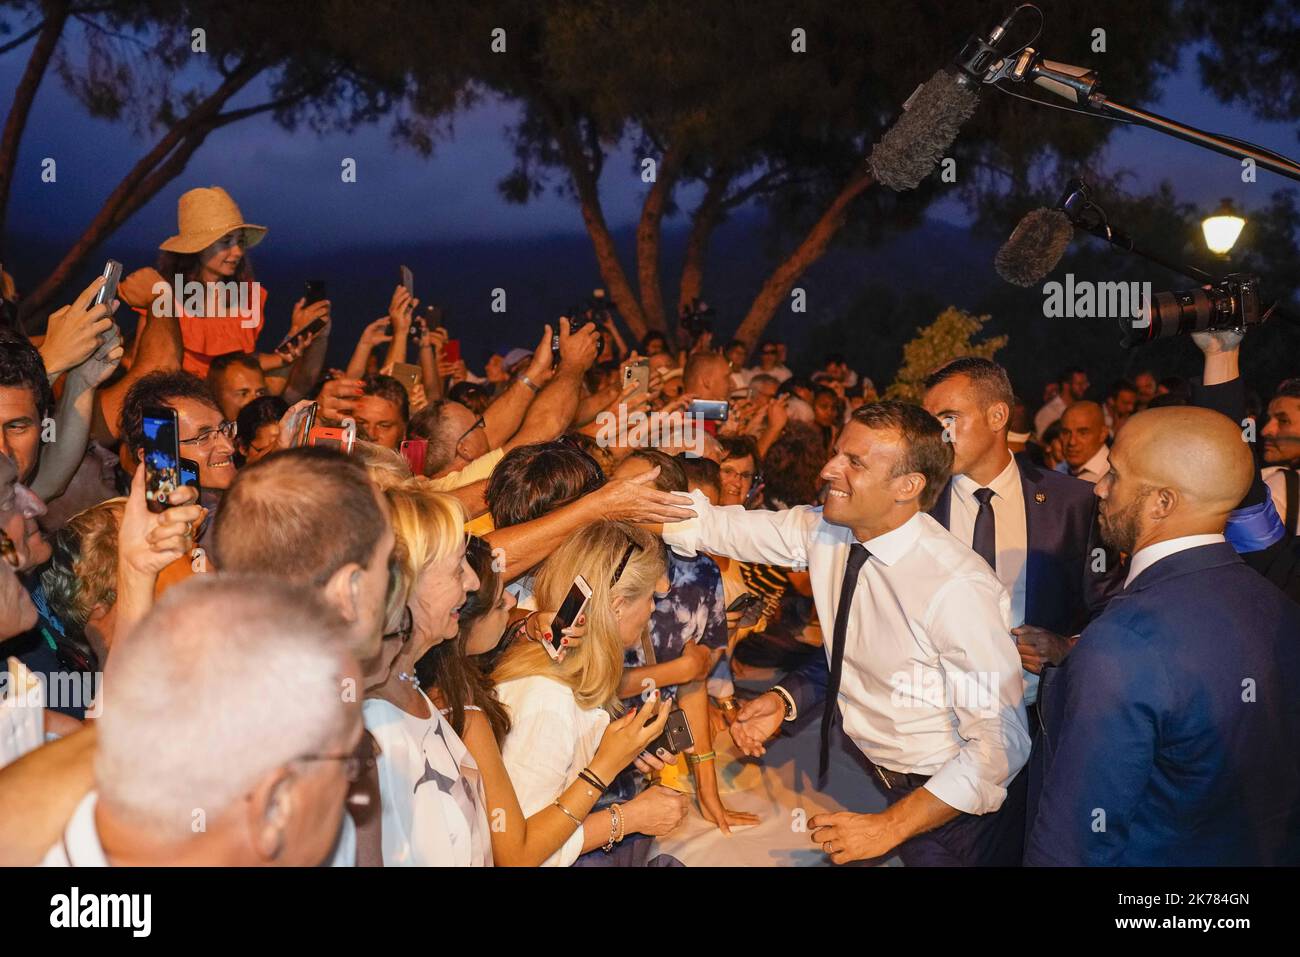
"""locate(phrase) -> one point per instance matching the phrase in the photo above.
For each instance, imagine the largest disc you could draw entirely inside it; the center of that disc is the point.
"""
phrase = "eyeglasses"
(8, 549)
(618, 572)
(406, 628)
(478, 424)
(206, 437)
(353, 764)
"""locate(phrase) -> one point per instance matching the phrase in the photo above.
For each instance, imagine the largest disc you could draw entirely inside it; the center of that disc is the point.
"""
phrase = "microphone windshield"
(911, 149)
(1035, 247)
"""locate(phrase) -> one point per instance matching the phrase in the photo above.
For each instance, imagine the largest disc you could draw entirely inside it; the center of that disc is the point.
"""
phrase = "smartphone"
(413, 450)
(301, 424)
(329, 438)
(714, 410)
(432, 316)
(162, 456)
(451, 351)
(407, 374)
(314, 291)
(676, 736)
(571, 609)
(637, 372)
(190, 474)
(408, 280)
(108, 291)
(316, 325)
(750, 607)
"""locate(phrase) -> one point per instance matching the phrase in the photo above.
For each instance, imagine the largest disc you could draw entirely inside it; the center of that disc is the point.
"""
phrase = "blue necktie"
(985, 539)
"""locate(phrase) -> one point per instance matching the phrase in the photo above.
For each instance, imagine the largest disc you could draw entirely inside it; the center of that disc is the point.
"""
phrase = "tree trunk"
(703, 221)
(56, 15)
(648, 237)
(782, 279)
(157, 168)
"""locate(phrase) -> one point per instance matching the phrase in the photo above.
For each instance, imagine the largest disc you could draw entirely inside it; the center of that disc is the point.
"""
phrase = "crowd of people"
(403, 614)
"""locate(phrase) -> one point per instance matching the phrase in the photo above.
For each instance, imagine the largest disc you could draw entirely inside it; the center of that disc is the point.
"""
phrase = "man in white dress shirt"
(226, 736)
(1083, 439)
(920, 666)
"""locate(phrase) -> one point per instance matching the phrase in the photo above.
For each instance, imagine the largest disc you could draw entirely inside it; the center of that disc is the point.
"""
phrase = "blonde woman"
(558, 709)
(433, 809)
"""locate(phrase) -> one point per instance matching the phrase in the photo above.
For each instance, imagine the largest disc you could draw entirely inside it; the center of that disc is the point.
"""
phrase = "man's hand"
(147, 542)
(540, 366)
(74, 332)
(757, 721)
(635, 500)
(1215, 343)
(852, 837)
(577, 349)
(1039, 647)
(374, 334)
(699, 661)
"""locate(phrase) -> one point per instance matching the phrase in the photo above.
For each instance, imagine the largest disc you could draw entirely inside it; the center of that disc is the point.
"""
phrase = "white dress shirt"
(551, 739)
(1144, 558)
(79, 846)
(1012, 541)
(1093, 470)
(1049, 414)
(931, 682)
(1274, 477)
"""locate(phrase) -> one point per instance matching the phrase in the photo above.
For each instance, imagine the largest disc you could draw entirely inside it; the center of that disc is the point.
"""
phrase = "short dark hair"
(227, 359)
(263, 410)
(159, 388)
(21, 366)
(1118, 386)
(927, 452)
(672, 477)
(792, 467)
(532, 480)
(386, 387)
(1288, 389)
(738, 447)
(701, 471)
(836, 358)
(471, 395)
(298, 515)
(1069, 372)
(989, 379)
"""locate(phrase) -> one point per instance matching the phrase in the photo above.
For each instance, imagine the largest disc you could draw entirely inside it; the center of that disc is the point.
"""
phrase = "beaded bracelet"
(622, 824)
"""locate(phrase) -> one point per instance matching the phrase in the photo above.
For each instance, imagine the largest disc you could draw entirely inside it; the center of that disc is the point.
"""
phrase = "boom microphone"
(911, 149)
(1035, 247)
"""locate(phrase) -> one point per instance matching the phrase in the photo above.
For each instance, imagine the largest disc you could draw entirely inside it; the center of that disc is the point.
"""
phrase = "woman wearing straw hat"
(205, 279)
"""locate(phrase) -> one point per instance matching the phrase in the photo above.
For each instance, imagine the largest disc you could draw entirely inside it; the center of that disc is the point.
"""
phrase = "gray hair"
(227, 678)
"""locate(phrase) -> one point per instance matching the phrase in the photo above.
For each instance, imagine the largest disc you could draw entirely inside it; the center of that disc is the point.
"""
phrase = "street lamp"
(1222, 227)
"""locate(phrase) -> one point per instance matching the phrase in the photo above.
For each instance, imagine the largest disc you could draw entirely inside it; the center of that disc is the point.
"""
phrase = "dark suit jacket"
(1171, 734)
(1062, 592)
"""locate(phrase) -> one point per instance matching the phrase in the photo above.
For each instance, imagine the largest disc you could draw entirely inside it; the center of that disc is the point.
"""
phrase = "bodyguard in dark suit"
(1171, 733)
(1035, 527)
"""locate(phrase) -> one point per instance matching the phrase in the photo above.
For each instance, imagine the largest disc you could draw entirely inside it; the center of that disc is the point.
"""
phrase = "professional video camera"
(1229, 303)
(595, 311)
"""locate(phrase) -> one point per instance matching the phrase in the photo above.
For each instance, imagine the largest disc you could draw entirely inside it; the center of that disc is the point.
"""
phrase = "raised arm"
(505, 415)
(773, 538)
(553, 409)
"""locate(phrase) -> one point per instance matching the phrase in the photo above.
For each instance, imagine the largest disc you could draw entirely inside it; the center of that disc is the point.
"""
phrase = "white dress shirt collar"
(893, 545)
(79, 845)
(1006, 482)
(1098, 465)
(1144, 558)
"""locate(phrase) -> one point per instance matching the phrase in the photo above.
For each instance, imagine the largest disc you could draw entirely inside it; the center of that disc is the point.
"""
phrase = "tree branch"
(19, 41)
(649, 235)
(703, 221)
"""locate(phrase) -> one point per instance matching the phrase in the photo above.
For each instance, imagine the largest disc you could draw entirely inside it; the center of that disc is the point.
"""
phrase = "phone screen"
(569, 611)
(714, 410)
(189, 473)
(162, 457)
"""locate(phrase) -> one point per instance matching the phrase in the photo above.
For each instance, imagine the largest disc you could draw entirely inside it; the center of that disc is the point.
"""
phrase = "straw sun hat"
(204, 216)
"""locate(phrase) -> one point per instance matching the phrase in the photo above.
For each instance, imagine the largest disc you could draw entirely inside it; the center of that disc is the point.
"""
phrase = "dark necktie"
(857, 555)
(985, 539)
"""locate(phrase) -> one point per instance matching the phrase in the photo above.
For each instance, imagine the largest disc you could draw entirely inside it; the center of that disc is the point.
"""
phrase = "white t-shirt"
(434, 810)
(551, 739)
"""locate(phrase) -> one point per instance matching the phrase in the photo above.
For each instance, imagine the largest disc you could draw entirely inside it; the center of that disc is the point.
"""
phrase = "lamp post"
(1222, 227)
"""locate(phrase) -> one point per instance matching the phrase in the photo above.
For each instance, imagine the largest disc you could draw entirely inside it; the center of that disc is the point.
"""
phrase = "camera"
(1230, 303)
(696, 318)
(595, 311)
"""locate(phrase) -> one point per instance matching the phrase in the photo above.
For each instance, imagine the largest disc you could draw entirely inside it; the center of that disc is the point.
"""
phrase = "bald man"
(1171, 733)
(1083, 439)
(708, 376)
